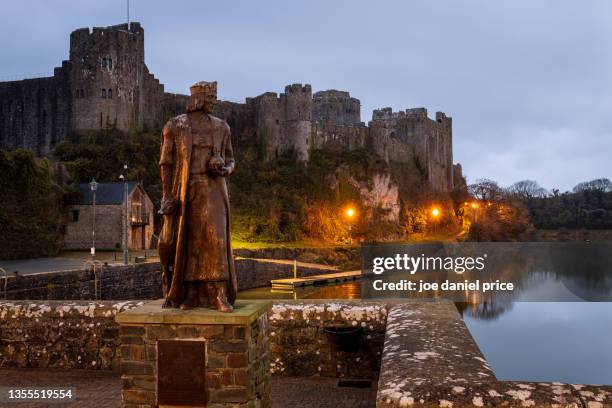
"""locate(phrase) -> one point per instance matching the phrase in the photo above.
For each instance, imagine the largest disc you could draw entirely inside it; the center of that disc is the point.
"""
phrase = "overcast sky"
(528, 83)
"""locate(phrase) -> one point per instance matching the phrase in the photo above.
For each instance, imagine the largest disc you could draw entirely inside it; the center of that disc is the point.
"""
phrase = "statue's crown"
(203, 87)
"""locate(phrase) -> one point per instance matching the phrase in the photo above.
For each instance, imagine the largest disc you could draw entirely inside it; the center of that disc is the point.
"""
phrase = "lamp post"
(435, 214)
(94, 186)
(127, 215)
(350, 213)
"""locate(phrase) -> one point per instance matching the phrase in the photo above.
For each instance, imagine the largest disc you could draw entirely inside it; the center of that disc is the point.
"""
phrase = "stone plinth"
(237, 352)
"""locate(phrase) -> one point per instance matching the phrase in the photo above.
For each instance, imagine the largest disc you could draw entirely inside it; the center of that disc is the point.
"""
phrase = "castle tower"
(336, 107)
(107, 76)
(269, 126)
(296, 103)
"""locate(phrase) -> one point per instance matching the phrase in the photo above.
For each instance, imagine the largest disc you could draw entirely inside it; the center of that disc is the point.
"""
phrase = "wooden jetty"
(292, 283)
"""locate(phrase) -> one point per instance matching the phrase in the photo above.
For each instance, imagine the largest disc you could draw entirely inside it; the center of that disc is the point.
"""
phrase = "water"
(526, 340)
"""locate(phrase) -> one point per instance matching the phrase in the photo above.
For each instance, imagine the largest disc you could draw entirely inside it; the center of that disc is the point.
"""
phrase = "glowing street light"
(435, 212)
(350, 213)
(474, 205)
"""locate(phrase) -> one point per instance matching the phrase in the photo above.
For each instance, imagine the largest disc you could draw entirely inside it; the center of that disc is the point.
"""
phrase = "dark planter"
(343, 338)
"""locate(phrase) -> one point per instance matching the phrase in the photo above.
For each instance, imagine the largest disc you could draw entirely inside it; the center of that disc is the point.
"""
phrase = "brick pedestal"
(237, 352)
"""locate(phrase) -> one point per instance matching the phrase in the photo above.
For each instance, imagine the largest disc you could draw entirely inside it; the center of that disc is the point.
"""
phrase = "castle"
(106, 83)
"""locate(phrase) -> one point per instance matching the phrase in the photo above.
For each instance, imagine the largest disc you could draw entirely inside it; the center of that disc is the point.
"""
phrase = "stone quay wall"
(113, 282)
(63, 335)
(134, 281)
(299, 345)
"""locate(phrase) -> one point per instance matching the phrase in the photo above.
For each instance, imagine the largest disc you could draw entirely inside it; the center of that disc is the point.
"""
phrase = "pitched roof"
(106, 193)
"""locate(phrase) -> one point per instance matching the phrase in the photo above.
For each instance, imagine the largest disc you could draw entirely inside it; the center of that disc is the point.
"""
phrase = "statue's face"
(202, 102)
(209, 100)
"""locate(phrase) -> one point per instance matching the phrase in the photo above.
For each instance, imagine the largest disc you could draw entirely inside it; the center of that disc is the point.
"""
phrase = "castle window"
(110, 63)
(104, 93)
(75, 215)
(110, 94)
(104, 63)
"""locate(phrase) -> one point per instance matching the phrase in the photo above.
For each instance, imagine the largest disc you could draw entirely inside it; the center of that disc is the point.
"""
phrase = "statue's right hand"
(168, 205)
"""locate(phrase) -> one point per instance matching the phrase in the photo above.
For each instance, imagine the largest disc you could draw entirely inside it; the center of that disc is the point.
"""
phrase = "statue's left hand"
(224, 171)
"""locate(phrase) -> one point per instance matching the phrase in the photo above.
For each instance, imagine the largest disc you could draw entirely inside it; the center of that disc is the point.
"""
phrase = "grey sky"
(528, 83)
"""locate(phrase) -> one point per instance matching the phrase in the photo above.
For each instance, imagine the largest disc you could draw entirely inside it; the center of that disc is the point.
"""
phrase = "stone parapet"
(236, 359)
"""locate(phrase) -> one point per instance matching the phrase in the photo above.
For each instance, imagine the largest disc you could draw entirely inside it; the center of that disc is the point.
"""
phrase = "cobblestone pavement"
(317, 392)
(102, 389)
(93, 389)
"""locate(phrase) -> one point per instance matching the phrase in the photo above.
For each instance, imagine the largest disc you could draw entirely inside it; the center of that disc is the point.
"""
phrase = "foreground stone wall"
(299, 345)
(60, 334)
(431, 360)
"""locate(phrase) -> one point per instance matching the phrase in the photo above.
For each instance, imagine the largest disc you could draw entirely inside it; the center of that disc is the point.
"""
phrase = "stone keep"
(104, 83)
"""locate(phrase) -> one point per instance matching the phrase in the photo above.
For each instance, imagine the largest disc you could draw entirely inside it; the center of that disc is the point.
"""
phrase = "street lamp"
(94, 186)
(350, 213)
(127, 215)
(435, 214)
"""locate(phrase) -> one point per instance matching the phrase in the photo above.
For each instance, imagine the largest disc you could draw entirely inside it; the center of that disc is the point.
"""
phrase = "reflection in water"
(564, 341)
(523, 334)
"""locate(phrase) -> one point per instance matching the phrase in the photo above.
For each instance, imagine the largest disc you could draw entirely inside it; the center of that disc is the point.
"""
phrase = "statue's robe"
(195, 242)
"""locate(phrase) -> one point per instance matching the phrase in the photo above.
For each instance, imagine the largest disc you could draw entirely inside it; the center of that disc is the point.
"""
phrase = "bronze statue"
(194, 244)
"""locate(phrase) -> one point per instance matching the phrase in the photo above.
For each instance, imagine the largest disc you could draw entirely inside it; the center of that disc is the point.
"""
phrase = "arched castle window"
(110, 63)
(110, 94)
(104, 93)
(103, 62)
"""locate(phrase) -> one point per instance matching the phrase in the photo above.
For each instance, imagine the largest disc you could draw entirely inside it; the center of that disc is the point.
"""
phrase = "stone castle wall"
(270, 125)
(35, 113)
(106, 83)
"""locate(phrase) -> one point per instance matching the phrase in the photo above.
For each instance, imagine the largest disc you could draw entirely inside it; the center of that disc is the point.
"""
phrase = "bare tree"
(603, 184)
(527, 189)
(486, 190)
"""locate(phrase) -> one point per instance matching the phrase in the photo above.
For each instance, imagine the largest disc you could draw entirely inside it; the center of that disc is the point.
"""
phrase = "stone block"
(237, 360)
(139, 397)
(229, 395)
(235, 346)
(137, 367)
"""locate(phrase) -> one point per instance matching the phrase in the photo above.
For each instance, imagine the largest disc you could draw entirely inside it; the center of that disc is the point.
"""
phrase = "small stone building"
(110, 217)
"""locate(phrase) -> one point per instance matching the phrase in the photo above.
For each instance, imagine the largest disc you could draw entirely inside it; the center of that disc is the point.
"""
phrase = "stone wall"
(300, 347)
(134, 281)
(339, 138)
(60, 334)
(35, 113)
(109, 227)
(117, 282)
